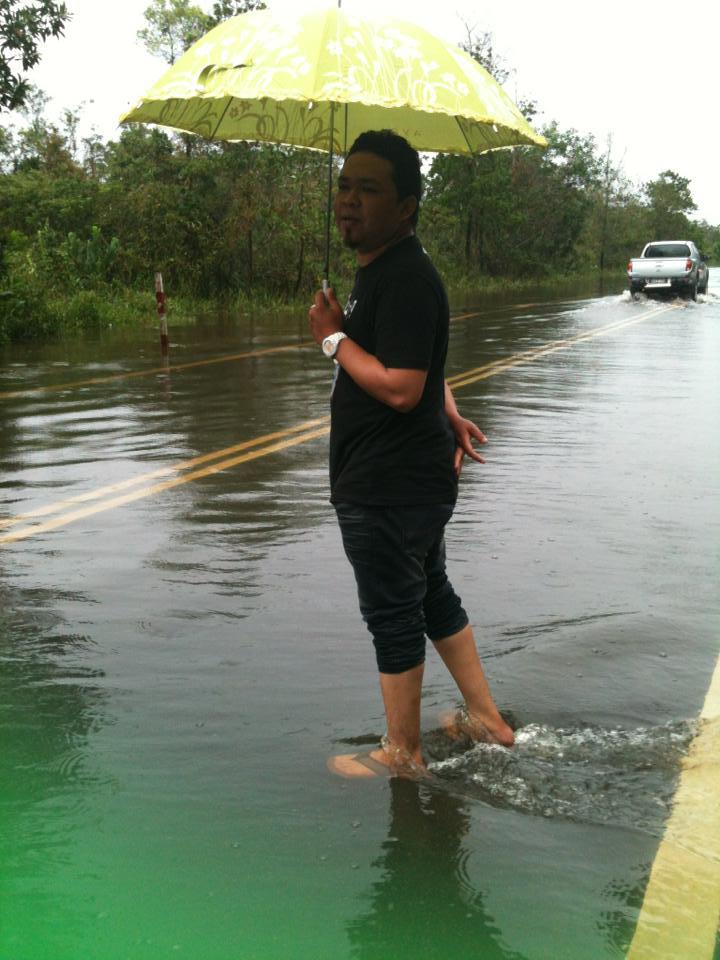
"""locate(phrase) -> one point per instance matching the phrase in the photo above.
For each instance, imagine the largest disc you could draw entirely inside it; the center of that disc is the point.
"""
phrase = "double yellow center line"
(113, 496)
(528, 356)
(191, 364)
(133, 374)
(71, 509)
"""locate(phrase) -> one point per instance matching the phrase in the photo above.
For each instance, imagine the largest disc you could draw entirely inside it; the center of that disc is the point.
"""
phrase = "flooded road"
(181, 649)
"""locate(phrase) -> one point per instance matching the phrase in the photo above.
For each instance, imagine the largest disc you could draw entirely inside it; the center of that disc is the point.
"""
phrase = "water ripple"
(587, 774)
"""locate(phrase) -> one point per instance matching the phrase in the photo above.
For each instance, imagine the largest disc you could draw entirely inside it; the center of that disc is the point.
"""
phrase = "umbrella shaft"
(329, 194)
(329, 200)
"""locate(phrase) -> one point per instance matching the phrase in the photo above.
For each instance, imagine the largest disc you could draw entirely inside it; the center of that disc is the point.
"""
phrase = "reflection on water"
(51, 704)
(424, 904)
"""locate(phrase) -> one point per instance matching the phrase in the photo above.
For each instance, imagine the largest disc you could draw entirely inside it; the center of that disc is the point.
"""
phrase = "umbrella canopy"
(320, 78)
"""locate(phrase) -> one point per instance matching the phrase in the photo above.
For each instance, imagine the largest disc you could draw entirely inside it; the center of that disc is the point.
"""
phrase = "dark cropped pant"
(398, 556)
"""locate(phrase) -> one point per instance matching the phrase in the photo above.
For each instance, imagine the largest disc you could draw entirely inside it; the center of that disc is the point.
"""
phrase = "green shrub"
(24, 312)
(30, 313)
(85, 310)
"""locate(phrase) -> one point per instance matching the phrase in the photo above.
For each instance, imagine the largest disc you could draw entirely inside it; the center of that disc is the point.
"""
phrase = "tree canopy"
(83, 217)
(670, 203)
(24, 26)
(174, 25)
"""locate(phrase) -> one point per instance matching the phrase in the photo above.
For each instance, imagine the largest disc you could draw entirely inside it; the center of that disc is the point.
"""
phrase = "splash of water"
(587, 774)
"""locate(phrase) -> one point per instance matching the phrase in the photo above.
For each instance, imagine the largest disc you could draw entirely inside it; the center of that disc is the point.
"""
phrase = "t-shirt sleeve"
(406, 323)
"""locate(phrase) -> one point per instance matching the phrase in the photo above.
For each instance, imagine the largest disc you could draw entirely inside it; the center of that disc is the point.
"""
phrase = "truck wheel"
(635, 288)
(693, 290)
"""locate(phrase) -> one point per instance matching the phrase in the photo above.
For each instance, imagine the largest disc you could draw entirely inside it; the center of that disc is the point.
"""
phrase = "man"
(397, 442)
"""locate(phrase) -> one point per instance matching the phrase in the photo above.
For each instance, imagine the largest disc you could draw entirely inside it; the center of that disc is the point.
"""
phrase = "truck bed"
(659, 273)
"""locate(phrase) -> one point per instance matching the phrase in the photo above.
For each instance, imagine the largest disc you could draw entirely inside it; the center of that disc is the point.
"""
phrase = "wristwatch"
(330, 344)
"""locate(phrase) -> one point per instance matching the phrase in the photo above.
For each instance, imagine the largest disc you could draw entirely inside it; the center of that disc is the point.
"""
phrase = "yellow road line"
(130, 374)
(174, 368)
(159, 487)
(265, 444)
(228, 358)
(159, 472)
(681, 909)
(498, 366)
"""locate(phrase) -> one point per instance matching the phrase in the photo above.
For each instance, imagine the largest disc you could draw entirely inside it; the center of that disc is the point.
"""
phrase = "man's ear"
(408, 206)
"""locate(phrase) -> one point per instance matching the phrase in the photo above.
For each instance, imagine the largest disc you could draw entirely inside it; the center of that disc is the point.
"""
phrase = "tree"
(519, 213)
(469, 190)
(707, 237)
(224, 9)
(480, 48)
(23, 26)
(172, 27)
(609, 178)
(670, 202)
(39, 144)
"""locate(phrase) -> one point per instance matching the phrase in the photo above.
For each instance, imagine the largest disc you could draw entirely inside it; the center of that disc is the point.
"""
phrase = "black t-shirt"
(397, 311)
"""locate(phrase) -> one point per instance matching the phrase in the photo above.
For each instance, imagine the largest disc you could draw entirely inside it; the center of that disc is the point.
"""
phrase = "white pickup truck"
(671, 265)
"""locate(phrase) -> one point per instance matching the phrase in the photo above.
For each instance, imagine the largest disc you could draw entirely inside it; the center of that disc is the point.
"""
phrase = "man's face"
(368, 212)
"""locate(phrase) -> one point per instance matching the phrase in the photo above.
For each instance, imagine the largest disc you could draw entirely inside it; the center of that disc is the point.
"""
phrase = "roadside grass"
(26, 314)
(41, 314)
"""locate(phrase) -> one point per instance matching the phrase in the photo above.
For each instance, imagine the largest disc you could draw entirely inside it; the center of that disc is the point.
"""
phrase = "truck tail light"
(688, 266)
(629, 267)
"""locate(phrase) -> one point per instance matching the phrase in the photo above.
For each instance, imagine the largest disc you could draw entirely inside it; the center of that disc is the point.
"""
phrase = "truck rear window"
(657, 250)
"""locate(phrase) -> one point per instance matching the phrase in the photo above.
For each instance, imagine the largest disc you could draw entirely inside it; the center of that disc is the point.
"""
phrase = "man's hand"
(326, 315)
(465, 432)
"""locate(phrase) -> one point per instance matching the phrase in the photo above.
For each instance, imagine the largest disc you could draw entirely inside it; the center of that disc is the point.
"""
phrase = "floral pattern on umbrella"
(299, 81)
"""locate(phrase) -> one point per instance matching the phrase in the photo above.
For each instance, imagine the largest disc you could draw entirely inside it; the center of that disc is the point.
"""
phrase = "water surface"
(176, 670)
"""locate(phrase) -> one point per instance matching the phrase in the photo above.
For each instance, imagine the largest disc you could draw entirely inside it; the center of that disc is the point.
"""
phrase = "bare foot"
(461, 723)
(374, 763)
(386, 761)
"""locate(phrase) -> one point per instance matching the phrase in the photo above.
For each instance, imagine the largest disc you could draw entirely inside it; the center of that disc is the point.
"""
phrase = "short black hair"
(405, 162)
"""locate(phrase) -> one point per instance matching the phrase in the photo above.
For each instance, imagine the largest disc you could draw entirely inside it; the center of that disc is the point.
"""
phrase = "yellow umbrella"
(319, 78)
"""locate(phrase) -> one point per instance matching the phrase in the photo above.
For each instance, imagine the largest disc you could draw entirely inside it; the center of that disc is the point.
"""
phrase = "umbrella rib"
(457, 121)
(222, 117)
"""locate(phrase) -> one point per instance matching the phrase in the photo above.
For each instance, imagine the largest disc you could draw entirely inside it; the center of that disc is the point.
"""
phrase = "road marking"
(681, 909)
(498, 366)
(269, 443)
(147, 491)
(159, 472)
(228, 358)
(130, 374)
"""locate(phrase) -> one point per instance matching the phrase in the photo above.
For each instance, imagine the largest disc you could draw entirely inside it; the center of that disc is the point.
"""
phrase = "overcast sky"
(643, 72)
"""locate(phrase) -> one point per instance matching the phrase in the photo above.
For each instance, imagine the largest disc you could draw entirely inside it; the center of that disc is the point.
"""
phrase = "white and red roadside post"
(160, 297)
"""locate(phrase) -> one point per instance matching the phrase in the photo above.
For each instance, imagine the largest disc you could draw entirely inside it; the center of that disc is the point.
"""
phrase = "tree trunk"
(468, 238)
(301, 266)
(606, 205)
(250, 277)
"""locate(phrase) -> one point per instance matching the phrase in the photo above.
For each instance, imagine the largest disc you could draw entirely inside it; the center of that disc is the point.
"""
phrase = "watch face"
(328, 347)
